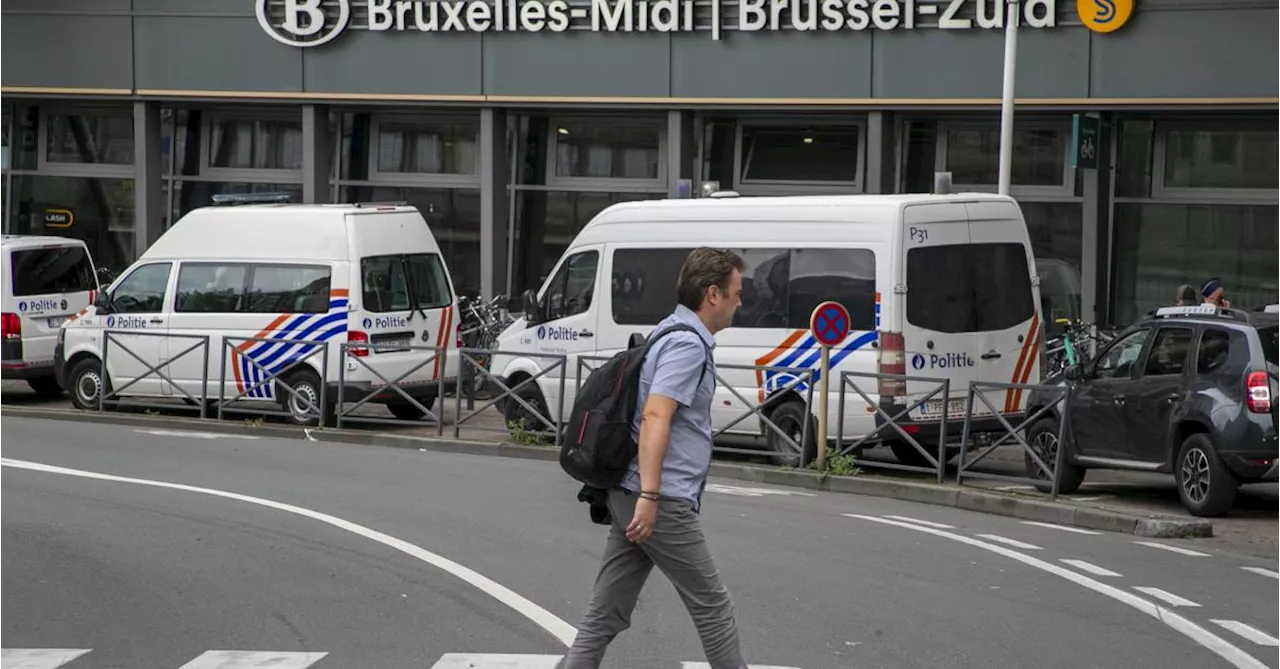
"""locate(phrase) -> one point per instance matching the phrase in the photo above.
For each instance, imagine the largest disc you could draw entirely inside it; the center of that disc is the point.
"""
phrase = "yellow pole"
(825, 367)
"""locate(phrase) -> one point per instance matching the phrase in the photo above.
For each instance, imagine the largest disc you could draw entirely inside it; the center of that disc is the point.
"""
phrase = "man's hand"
(641, 525)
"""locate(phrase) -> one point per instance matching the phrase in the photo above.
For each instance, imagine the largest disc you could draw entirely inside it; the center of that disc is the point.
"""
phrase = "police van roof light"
(231, 199)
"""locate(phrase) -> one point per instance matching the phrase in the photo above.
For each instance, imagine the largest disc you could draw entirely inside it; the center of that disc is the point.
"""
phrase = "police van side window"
(143, 291)
(573, 287)
(210, 288)
(63, 269)
(780, 287)
(288, 289)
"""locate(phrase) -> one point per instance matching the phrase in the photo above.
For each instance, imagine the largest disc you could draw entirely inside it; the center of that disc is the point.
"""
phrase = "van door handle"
(991, 355)
(586, 333)
(157, 321)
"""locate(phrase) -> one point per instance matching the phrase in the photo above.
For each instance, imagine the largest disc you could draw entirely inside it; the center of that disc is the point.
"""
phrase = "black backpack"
(596, 446)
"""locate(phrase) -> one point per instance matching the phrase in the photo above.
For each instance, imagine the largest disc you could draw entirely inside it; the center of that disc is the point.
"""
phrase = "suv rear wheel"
(1205, 485)
(1043, 439)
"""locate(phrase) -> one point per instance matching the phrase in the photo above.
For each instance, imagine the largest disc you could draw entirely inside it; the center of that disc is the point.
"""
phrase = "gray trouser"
(679, 549)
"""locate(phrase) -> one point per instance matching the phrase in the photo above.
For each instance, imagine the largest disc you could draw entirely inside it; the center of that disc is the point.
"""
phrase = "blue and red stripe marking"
(273, 356)
(800, 350)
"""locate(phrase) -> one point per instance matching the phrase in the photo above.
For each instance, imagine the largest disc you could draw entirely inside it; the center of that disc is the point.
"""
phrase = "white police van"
(262, 269)
(936, 286)
(47, 279)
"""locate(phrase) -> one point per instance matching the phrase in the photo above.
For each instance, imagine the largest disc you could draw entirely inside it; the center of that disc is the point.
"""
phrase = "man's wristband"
(648, 494)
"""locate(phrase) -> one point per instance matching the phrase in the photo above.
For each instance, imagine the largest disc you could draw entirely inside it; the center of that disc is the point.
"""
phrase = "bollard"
(829, 324)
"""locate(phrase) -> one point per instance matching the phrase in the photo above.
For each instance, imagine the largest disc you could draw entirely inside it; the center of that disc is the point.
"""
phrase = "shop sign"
(308, 23)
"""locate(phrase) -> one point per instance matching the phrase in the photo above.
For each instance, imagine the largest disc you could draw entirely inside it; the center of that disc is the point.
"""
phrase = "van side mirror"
(531, 314)
(103, 302)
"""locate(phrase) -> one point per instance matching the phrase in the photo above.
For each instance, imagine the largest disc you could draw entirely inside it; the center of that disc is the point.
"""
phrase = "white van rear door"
(49, 284)
(1010, 328)
(937, 323)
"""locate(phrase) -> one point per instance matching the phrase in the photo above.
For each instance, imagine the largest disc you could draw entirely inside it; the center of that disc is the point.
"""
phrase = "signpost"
(829, 325)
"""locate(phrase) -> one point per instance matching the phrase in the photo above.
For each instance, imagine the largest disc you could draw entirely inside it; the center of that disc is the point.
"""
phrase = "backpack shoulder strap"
(681, 327)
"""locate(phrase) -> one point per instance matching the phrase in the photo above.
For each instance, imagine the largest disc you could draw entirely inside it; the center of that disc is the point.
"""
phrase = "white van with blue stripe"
(939, 286)
(277, 289)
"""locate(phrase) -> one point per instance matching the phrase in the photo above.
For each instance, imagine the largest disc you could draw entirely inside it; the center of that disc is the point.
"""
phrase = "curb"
(951, 495)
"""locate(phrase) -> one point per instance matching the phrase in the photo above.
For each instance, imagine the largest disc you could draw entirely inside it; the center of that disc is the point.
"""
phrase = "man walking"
(655, 510)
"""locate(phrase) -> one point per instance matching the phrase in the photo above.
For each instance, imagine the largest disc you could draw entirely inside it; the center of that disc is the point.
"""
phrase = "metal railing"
(276, 366)
(112, 336)
(437, 356)
(542, 415)
(763, 410)
(1057, 396)
(937, 459)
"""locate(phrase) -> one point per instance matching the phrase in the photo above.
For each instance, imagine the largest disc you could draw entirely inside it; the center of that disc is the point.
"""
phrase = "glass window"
(101, 213)
(143, 291)
(1221, 159)
(800, 154)
(1159, 247)
(288, 289)
(973, 156)
(430, 149)
(98, 139)
(453, 214)
(255, 144)
(404, 282)
(1168, 356)
(1270, 344)
(63, 269)
(780, 287)
(1117, 361)
(607, 150)
(1215, 351)
(6, 127)
(968, 287)
(208, 288)
(1133, 168)
(570, 292)
(1056, 232)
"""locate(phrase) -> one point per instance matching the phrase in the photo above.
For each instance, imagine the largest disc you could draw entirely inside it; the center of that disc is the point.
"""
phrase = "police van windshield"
(395, 282)
(62, 269)
(968, 287)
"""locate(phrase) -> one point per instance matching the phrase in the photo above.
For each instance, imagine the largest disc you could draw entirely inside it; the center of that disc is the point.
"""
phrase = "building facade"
(510, 123)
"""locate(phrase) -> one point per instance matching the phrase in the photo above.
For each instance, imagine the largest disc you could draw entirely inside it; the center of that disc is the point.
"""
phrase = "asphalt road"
(335, 555)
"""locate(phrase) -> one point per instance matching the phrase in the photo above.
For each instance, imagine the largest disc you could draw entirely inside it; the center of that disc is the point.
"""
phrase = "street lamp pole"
(1013, 14)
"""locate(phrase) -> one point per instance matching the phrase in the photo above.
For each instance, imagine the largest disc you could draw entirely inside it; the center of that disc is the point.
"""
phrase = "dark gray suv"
(1189, 391)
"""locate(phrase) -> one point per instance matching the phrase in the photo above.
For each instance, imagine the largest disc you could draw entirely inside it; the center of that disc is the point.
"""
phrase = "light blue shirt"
(672, 369)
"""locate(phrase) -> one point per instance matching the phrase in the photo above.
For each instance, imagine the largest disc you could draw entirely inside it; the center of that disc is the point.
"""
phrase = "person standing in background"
(1214, 293)
(1186, 296)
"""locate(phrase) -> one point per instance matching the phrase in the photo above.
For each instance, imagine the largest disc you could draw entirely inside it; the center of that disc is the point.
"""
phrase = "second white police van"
(263, 281)
(939, 286)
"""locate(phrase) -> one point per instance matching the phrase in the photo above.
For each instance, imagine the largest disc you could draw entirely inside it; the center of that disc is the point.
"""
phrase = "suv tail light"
(893, 360)
(354, 337)
(11, 326)
(1257, 389)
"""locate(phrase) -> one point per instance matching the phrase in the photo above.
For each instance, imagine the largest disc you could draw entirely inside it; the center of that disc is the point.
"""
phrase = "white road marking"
(1064, 528)
(1248, 631)
(1091, 568)
(540, 616)
(195, 435)
(753, 492)
(252, 659)
(1264, 572)
(705, 665)
(1200, 635)
(1173, 549)
(1011, 542)
(1167, 597)
(38, 658)
(495, 661)
(927, 523)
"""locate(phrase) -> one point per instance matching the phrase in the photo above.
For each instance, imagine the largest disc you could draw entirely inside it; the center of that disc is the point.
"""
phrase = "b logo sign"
(303, 22)
(1104, 16)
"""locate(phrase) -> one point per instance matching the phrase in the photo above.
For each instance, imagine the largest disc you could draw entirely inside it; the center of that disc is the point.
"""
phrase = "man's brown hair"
(705, 267)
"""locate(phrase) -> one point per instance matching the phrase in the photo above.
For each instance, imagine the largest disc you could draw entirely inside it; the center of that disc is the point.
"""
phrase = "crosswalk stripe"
(495, 661)
(1011, 542)
(1247, 631)
(38, 658)
(1090, 567)
(1264, 572)
(926, 523)
(1062, 528)
(1172, 549)
(252, 659)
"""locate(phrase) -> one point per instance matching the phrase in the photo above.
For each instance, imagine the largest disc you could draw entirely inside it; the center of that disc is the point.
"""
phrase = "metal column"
(148, 202)
(1095, 240)
(880, 164)
(317, 154)
(493, 202)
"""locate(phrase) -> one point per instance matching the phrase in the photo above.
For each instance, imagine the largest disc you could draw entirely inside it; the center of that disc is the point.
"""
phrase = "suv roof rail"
(1202, 311)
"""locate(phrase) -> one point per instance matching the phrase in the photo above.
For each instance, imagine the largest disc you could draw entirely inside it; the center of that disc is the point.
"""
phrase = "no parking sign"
(829, 325)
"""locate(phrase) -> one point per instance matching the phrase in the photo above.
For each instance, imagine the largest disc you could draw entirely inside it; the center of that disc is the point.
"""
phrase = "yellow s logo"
(1104, 16)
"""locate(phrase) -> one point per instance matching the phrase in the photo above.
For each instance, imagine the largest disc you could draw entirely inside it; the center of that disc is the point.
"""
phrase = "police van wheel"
(790, 418)
(45, 387)
(302, 404)
(516, 413)
(85, 383)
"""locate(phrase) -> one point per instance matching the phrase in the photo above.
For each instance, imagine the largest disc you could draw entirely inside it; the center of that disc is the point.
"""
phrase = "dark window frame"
(561, 275)
(1186, 354)
(920, 311)
(164, 296)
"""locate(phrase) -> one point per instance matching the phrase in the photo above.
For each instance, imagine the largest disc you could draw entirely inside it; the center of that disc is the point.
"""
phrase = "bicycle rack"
(202, 344)
(937, 460)
(437, 354)
(558, 362)
(237, 348)
(1058, 395)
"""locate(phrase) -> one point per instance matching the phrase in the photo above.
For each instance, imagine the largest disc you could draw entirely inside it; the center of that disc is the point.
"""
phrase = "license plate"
(56, 321)
(955, 408)
(392, 346)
